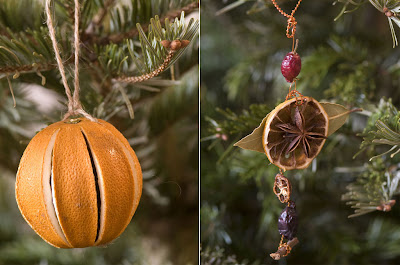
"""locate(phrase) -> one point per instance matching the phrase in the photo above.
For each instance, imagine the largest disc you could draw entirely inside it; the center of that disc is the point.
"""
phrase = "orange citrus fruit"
(295, 132)
(78, 183)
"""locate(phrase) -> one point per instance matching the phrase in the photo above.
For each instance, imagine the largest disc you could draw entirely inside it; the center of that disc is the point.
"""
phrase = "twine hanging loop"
(74, 104)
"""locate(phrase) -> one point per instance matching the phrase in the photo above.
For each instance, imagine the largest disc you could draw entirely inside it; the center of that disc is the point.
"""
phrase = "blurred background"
(163, 133)
(350, 61)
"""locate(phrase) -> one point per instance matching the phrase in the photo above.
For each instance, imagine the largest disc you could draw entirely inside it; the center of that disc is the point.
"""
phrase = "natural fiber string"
(74, 105)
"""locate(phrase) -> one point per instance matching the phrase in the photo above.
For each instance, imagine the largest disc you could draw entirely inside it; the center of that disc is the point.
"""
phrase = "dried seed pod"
(386, 206)
(175, 45)
(282, 188)
(291, 66)
(387, 12)
(185, 43)
(288, 221)
(166, 43)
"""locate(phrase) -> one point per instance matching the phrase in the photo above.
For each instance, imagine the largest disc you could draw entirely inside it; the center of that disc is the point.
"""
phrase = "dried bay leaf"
(337, 114)
(253, 141)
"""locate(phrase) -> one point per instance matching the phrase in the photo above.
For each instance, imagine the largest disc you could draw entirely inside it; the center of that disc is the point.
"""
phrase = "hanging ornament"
(79, 182)
(292, 135)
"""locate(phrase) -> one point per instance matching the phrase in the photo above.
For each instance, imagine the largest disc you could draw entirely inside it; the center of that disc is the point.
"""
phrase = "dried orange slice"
(78, 183)
(295, 132)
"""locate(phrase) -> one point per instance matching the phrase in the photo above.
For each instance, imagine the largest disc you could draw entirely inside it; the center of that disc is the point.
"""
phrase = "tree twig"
(98, 18)
(28, 68)
(283, 251)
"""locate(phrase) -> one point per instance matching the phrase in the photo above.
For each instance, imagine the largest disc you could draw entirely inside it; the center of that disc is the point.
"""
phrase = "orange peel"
(78, 183)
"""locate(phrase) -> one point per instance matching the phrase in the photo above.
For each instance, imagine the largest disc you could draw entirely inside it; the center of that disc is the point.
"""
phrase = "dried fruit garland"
(292, 135)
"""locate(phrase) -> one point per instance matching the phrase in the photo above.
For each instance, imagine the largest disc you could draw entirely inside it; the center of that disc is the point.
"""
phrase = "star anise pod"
(295, 133)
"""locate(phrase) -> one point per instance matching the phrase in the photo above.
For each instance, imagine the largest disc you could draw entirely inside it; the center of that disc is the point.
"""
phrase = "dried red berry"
(288, 222)
(291, 66)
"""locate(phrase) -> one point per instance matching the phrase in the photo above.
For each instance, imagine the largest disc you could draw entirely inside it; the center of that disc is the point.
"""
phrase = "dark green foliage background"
(351, 62)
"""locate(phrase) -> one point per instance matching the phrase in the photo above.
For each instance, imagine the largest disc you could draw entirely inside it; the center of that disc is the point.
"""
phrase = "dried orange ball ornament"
(79, 183)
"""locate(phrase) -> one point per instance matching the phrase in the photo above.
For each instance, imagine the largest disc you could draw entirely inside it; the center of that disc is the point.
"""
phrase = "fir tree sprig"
(346, 4)
(243, 123)
(175, 103)
(390, 8)
(11, 15)
(383, 128)
(125, 60)
(374, 189)
(350, 60)
(123, 19)
(30, 50)
(26, 52)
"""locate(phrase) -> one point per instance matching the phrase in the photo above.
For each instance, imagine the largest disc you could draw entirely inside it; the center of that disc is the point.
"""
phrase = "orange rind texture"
(79, 184)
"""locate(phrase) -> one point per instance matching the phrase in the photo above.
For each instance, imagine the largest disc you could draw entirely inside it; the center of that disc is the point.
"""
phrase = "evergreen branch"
(20, 15)
(382, 128)
(175, 103)
(96, 21)
(116, 38)
(119, 37)
(28, 68)
(174, 47)
(98, 18)
(390, 8)
(373, 190)
(218, 256)
(351, 67)
(243, 123)
(26, 52)
(346, 3)
(230, 7)
(31, 51)
(149, 61)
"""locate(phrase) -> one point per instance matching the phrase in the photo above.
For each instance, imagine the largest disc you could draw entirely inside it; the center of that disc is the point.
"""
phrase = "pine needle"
(12, 91)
